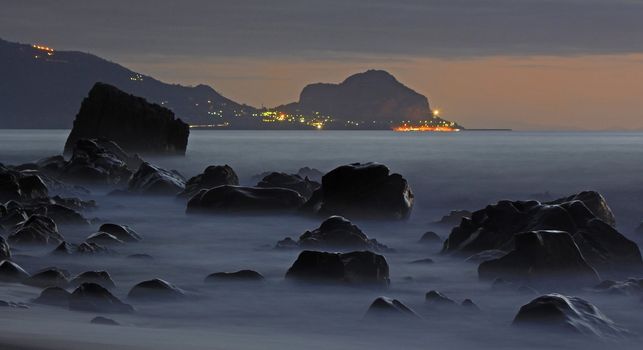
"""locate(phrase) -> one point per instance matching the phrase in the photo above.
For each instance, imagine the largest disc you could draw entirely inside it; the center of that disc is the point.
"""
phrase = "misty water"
(466, 170)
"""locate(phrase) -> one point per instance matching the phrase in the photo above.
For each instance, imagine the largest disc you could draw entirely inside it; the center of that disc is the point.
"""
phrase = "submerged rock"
(225, 199)
(55, 296)
(363, 190)
(430, 238)
(152, 180)
(92, 297)
(631, 286)
(358, 268)
(542, 257)
(101, 278)
(567, 314)
(12, 272)
(303, 186)
(36, 230)
(104, 321)
(84, 248)
(103, 239)
(435, 298)
(16, 185)
(336, 232)
(121, 232)
(93, 164)
(49, 277)
(387, 307)
(132, 122)
(212, 176)
(238, 276)
(155, 290)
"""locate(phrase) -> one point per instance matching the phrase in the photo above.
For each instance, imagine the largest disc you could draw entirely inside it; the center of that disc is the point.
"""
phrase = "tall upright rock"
(133, 123)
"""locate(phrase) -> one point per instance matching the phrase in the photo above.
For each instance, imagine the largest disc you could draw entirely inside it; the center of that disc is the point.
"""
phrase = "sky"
(522, 64)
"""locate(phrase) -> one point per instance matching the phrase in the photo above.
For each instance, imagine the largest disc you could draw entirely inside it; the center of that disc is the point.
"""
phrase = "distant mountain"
(374, 95)
(43, 88)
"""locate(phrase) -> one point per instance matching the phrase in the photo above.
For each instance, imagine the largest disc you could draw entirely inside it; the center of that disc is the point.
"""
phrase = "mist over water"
(466, 170)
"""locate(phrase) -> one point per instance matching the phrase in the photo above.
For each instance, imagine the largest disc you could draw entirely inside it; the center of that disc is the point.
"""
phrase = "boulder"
(95, 165)
(104, 321)
(494, 228)
(435, 298)
(226, 199)
(336, 232)
(101, 278)
(49, 277)
(303, 186)
(542, 257)
(152, 180)
(355, 268)
(387, 307)
(238, 276)
(84, 248)
(103, 239)
(155, 290)
(212, 176)
(430, 238)
(568, 314)
(55, 296)
(132, 122)
(92, 297)
(12, 272)
(362, 190)
(121, 232)
(16, 185)
(594, 201)
(36, 230)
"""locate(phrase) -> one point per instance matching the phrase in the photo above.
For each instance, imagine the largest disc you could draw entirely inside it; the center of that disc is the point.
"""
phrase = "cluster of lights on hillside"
(316, 121)
(435, 125)
(45, 49)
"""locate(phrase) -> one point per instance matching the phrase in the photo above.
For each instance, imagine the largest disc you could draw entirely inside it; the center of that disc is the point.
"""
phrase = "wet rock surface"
(226, 199)
(303, 186)
(49, 277)
(384, 307)
(155, 290)
(36, 230)
(55, 296)
(101, 278)
(153, 180)
(92, 297)
(212, 176)
(121, 232)
(12, 272)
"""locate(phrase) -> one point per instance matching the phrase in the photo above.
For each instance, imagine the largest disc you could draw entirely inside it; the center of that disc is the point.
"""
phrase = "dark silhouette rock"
(50, 277)
(212, 176)
(103, 239)
(12, 272)
(225, 199)
(303, 186)
(357, 268)
(435, 298)
(121, 232)
(104, 321)
(631, 286)
(454, 217)
(93, 164)
(92, 297)
(130, 121)
(155, 290)
(55, 296)
(16, 185)
(101, 278)
(430, 238)
(568, 314)
(84, 248)
(362, 190)
(542, 257)
(594, 201)
(36, 230)
(238, 276)
(336, 232)
(494, 228)
(5, 251)
(32, 186)
(387, 307)
(152, 180)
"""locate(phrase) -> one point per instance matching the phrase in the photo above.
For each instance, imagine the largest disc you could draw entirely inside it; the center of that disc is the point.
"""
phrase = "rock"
(362, 190)
(602, 246)
(12, 272)
(140, 257)
(130, 121)
(9, 188)
(430, 238)
(101, 278)
(15, 185)
(310, 173)
(152, 180)
(32, 186)
(104, 239)
(594, 201)
(303, 186)
(485, 255)
(358, 268)
(95, 165)
(104, 321)
(155, 290)
(631, 286)
(212, 176)
(542, 257)
(36, 230)
(336, 232)
(423, 261)
(568, 314)
(49, 277)
(435, 298)
(454, 217)
(55, 296)
(387, 307)
(92, 297)
(225, 199)
(84, 248)
(470, 305)
(238, 276)
(121, 232)
(5, 251)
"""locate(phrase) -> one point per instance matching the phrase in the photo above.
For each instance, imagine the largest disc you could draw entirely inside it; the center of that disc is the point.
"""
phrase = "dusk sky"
(567, 64)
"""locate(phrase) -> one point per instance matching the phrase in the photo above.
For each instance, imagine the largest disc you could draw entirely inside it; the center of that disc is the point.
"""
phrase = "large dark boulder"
(356, 268)
(303, 186)
(568, 314)
(55, 296)
(549, 257)
(132, 122)
(12, 272)
(92, 297)
(212, 176)
(93, 164)
(594, 201)
(16, 185)
(240, 199)
(336, 232)
(122, 232)
(152, 180)
(101, 278)
(36, 230)
(494, 228)
(363, 190)
(155, 290)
